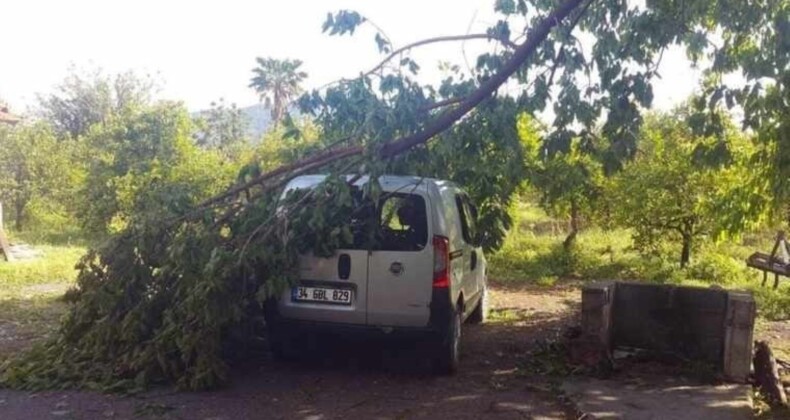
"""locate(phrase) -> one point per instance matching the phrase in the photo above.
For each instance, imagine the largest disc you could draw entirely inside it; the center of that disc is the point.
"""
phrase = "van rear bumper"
(441, 310)
(295, 326)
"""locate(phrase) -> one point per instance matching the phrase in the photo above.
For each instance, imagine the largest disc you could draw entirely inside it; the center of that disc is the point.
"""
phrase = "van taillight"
(441, 262)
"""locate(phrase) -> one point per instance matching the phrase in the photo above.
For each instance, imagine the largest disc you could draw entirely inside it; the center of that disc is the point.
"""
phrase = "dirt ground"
(363, 379)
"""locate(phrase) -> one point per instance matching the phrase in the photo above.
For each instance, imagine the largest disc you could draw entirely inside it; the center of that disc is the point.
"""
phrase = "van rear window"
(403, 223)
(398, 223)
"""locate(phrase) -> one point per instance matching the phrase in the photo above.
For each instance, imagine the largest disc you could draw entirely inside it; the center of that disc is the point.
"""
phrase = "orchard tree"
(222, 127)
(138, 154)
(86, 98)
(569, 182)
(277, 82)
(774, 132)
(33, 167)
(159, 300)
(672, 192)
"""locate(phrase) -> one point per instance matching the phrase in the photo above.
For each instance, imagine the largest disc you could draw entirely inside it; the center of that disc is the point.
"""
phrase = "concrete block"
(738, 337)
(597, 303)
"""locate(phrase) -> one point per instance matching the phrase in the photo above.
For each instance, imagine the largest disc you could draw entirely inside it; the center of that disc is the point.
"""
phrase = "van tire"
(447, 358)
(281, 343)
(277, 346)
(480, 313)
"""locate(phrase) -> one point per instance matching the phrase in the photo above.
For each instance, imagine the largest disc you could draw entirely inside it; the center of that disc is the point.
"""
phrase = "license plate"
(321, 294)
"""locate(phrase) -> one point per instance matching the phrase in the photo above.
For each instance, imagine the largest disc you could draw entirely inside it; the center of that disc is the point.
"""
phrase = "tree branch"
(537, 35)
(442, 103)
(400, 50)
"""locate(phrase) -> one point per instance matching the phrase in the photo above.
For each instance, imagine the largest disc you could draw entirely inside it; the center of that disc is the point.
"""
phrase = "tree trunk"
(687, 233)
(571, 239)
(766, 374)
(685, 253)
(277, 107)
(19, 215)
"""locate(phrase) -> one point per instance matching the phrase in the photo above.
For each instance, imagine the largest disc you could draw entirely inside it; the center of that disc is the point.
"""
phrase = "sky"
(200, 51)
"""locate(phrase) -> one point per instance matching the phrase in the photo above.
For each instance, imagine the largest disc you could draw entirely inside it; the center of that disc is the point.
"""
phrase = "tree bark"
(277, 107)
(571, 239)
(687, 233)
(685, 253)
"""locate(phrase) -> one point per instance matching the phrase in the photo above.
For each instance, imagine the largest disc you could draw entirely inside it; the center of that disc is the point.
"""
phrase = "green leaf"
(506, 7)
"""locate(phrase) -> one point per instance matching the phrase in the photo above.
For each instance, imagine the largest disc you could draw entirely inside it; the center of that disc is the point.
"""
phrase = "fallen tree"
(169, 298)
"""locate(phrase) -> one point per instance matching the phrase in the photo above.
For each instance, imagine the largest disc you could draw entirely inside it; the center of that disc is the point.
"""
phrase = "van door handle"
(343, 266)
(473, 261)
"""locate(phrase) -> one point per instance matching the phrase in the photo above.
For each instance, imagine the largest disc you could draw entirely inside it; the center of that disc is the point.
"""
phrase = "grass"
(55, 267)
(533, 253)
(30, 294)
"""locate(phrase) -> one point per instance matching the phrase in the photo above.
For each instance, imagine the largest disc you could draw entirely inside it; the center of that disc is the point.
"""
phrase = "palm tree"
(277, 82)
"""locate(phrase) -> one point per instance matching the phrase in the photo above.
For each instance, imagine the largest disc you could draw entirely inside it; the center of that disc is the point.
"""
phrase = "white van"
(426, 275)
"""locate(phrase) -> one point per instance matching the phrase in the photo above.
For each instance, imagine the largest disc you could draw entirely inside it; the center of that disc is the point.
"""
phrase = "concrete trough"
(708, 325)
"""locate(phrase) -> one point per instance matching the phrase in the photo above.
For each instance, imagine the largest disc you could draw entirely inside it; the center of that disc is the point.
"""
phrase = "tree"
(569, 182)
(774, 159)
(137, 154)
(32, 167)
(669, 193)
(83, 99)
(278, 83)
(221, 127)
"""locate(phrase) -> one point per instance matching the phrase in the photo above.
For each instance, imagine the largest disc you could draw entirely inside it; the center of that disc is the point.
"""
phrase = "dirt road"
(359, 380)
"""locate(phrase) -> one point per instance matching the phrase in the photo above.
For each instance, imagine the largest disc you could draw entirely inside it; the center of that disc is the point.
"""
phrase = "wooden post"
(5, 247)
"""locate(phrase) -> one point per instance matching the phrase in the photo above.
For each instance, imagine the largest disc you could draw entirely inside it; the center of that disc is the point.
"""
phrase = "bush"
(772, 304)
(717, 268)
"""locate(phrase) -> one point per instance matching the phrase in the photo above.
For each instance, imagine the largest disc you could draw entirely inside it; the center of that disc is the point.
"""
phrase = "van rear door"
(400, 269)
(332, 289)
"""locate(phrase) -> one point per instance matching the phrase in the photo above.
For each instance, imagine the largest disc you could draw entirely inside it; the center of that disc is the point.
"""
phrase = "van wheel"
(281, 344)
(446, 362)
(480, 313)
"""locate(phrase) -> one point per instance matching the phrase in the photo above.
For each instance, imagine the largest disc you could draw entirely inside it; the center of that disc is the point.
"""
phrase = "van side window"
(468, 224)
(471, 210)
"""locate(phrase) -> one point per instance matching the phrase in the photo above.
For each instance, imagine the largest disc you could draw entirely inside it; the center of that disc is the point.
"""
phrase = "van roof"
(388, 182)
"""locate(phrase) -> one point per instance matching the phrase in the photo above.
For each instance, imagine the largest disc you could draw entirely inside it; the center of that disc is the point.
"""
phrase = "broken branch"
(435, 40)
